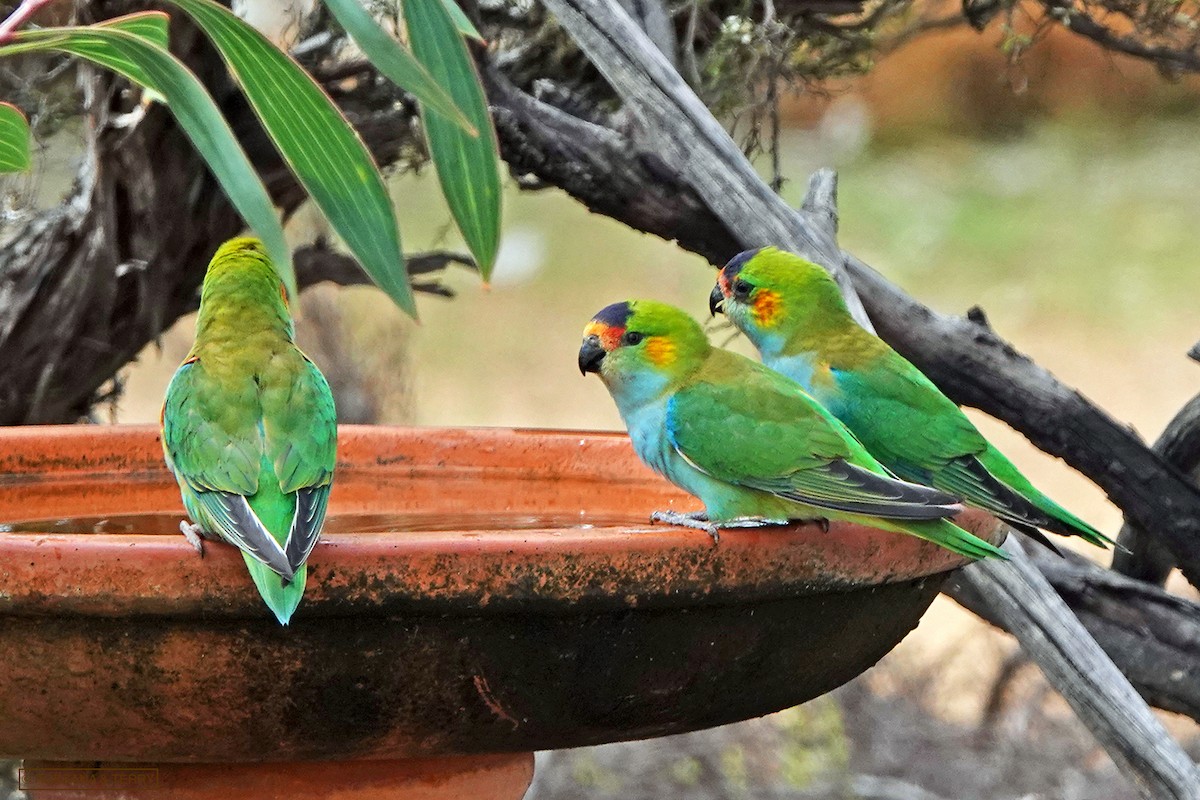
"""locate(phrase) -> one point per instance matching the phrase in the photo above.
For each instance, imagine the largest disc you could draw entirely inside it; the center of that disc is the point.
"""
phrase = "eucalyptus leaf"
(323, 150)
(464, 25)
(14, 139)
(467, 166)
(395, 61)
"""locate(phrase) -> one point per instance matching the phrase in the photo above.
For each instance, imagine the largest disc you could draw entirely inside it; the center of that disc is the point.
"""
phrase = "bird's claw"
(194, 535)
(696, 520)
(822, 523)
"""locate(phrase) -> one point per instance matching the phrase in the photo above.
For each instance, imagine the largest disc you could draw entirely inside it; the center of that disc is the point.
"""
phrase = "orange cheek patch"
(766, 307)
(660, 350)
(609, 336)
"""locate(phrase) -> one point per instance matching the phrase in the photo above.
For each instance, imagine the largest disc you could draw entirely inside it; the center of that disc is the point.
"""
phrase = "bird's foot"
(820, 522)
(696, 520)
(194, 535)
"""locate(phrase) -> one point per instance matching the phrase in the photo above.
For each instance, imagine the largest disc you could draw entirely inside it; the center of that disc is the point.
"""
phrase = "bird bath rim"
(132, 648)
(55, 471)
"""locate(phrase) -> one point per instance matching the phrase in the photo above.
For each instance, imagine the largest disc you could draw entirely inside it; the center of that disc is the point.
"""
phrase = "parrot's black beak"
(590, 355)
(716, 301)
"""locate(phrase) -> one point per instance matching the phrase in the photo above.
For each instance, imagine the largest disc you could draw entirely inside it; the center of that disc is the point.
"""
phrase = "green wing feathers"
(948, 535)
(761, 431)
(1054, 517)
(254, 453)
(921, 434)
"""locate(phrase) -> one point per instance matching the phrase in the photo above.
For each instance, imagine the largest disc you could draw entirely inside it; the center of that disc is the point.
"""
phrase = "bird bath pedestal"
(477, 595)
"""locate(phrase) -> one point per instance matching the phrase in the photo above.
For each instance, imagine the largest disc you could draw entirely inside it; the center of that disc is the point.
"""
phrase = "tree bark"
(1151, 635)
(1145, 557)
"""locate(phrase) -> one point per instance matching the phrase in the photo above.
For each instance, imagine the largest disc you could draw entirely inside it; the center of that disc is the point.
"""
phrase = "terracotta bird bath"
(478, 595)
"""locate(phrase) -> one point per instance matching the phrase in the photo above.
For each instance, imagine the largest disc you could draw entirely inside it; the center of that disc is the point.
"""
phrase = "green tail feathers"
(282, 600)
(1070, 523)
(948, 535)
(1064, 522)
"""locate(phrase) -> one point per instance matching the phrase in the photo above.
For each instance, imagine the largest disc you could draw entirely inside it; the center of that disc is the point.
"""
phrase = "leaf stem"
(19, 17)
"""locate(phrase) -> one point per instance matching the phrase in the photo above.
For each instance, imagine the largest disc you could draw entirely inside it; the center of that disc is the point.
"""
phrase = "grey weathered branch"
(1145, 557)
(745, 204)
(1014, 591)
(1015, 595)
(318, 262)
(1151, 635)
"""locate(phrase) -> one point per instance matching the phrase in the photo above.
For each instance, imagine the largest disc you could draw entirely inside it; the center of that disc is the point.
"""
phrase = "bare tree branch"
(1145, 557)
(746, 205)
(1077, 20)
(1151, 635)
(318, 262)
(975, 367)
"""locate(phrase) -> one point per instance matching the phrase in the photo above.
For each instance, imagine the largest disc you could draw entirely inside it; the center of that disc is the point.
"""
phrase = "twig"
(318, 262)
(820, 201)
(19, 17)
(1077, 21)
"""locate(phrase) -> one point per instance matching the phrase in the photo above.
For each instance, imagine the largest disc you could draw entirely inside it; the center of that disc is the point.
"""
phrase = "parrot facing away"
(249, 428)
(748, 442)
(793, 312)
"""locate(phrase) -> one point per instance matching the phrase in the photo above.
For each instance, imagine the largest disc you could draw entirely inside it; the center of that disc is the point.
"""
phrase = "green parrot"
(793, 312)
(249, 429)
(748, 442)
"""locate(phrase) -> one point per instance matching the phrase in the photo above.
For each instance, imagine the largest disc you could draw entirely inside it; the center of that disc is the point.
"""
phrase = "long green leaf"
(395, 61)
(324, 152)
(461, 23)
(14, 139)
(149, 25)
(146, 63)
(467, 167)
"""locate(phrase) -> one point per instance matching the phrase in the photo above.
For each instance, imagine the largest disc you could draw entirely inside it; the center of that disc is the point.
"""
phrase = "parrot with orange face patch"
(749, 443)
(793, 312)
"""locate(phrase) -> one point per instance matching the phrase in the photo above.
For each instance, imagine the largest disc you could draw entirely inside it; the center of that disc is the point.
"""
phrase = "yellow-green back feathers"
(249, 427)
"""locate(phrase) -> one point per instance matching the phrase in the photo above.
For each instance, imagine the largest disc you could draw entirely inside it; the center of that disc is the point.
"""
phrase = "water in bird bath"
(424, 522)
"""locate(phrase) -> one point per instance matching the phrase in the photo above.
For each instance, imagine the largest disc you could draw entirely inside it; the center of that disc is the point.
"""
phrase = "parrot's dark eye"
(632, 338)
(742, 289)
